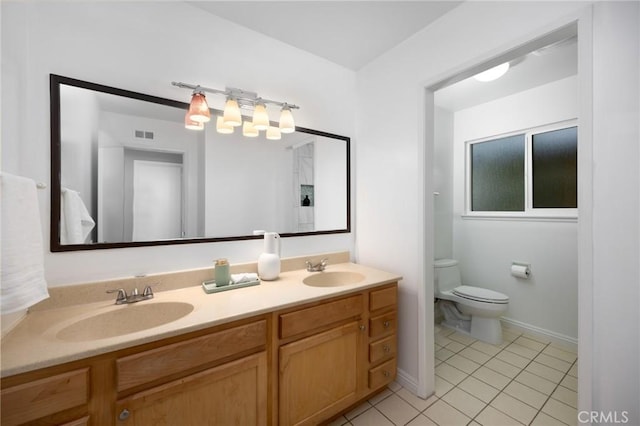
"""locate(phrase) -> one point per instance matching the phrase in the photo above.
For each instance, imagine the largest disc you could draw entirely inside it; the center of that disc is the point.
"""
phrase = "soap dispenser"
(269, 259)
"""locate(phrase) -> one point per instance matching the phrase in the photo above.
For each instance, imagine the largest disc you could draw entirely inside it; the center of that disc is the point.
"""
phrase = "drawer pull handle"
(385, 373)
(386, 324)
(362, 327)
(124, 415)
(386, 349)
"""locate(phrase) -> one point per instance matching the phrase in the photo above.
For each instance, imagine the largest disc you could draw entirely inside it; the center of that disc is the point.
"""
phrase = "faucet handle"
(122, 295)
(147, 292)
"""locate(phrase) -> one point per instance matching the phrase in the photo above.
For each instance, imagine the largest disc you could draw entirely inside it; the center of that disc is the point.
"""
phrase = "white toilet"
(472, 310)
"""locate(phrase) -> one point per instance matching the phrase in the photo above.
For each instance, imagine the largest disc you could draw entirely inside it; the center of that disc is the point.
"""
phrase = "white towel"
(75, 221)
(23, 282)
(244, 278)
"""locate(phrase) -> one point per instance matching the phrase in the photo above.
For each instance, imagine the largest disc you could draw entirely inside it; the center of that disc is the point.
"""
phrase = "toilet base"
(489, 330)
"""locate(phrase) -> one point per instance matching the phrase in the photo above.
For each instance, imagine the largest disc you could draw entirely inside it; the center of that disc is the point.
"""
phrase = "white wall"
(548, 301)
(394, 177)
(143, 46)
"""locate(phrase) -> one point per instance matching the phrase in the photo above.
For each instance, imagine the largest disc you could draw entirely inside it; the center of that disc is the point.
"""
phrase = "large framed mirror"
(125, 172)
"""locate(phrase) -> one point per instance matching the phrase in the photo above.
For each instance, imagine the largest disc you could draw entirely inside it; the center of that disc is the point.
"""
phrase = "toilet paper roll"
(520, 271)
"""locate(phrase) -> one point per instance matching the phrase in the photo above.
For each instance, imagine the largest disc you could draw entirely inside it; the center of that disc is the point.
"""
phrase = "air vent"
(143, 134)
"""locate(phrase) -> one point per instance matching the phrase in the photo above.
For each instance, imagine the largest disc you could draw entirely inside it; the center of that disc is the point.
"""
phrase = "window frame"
(529, 212)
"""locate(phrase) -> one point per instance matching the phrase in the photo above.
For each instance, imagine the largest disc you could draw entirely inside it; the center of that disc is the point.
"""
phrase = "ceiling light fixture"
(493, 73)
(237, 99)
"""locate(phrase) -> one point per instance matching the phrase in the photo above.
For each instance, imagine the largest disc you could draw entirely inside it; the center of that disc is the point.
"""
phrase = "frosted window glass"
(555, 169)
(497, 174)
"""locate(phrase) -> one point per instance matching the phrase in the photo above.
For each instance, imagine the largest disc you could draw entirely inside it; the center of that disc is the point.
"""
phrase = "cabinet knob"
(386, 349)
(385, 373)
(386, 324)
(124, 415)
(362, 327)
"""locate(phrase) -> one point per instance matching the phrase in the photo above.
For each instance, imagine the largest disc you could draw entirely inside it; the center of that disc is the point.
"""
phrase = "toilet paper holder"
(521, 270)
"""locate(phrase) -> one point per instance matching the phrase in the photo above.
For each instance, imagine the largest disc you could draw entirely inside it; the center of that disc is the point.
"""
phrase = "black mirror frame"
(54, 88)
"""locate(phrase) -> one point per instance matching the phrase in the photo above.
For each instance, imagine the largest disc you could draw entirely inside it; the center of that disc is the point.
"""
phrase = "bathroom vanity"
(281, 353)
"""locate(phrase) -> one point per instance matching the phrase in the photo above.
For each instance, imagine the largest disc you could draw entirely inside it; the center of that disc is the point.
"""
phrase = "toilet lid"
(480, 294)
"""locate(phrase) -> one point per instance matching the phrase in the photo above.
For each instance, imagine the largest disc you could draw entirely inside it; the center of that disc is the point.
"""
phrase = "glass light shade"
(273, 133)
(232, 116)
(198, 109)
(493, 73)
(249, 130)
(260, 117)
(192, 125)
(223, 128)
(287, 124)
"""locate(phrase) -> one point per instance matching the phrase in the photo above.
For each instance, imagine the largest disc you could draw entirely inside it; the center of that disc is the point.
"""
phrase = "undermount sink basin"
(123, 320)
(333, 279)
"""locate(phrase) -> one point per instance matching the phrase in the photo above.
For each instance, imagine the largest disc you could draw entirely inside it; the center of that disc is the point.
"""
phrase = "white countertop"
(33, 344)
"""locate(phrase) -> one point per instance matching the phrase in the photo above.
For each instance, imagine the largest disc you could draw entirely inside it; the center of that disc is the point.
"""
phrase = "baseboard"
(551, 336)
(406, 381)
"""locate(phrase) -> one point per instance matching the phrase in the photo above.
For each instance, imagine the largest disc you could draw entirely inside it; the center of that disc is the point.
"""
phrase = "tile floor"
(524, 381)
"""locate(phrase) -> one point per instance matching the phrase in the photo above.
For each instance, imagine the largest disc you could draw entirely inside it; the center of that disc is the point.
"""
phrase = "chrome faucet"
(317, 267)
(134, 297)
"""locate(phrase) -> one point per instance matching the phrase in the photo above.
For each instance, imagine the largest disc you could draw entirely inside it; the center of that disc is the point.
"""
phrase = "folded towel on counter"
(75, 221)
(243, 278)
(22, 282)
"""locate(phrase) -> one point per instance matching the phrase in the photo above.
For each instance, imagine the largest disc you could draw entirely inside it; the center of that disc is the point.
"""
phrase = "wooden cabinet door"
(231, 394)
(319, 375)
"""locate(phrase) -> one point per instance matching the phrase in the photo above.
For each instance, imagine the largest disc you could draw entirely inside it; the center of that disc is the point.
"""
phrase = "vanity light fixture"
(249, 129)
(198, 109)
(191, 124)
(221, 127)
(238, 99)
(273, 133)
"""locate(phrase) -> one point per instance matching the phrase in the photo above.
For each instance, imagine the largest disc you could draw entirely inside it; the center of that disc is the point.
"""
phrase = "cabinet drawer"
(45, 397)
(382, 325)
(384, 298)
(382, 349)
(315, 317)
(151, 365)
(80, 422)
(382, 374)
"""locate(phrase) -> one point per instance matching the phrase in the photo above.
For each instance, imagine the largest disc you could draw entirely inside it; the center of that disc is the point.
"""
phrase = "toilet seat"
(480, 294)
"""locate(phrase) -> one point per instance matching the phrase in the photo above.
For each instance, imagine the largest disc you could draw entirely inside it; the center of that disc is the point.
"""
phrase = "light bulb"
(273, 133)
(223, 128)
(198, 108)
(191, 124)
(287, 124)
(249, 130)
(231, 115)
(260, 117)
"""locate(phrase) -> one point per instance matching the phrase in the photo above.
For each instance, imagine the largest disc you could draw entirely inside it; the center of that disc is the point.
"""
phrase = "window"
(529, 173)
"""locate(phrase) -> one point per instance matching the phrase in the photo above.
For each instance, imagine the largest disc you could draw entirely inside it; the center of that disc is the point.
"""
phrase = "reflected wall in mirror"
(125, 172)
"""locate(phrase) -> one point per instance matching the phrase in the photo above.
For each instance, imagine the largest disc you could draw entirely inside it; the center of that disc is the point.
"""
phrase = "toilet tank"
(446, 275)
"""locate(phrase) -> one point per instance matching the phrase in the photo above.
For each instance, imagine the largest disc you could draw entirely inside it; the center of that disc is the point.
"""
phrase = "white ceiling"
(348, 33)
(353, 33)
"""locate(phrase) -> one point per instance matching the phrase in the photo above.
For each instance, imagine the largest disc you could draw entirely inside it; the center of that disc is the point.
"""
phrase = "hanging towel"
(22, 279)
(75, 221)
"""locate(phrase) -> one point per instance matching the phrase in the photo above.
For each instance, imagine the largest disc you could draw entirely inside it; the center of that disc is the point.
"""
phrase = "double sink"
(131, 318)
